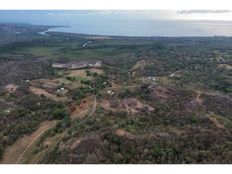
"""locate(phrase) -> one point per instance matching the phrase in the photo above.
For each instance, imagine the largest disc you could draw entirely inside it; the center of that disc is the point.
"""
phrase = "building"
(78, 65)
(60, 65)
(150, 78)
(94, 63)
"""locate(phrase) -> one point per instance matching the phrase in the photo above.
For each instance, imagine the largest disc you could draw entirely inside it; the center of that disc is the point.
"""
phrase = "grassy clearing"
(74, 49)
(40, 51)
(40, 91)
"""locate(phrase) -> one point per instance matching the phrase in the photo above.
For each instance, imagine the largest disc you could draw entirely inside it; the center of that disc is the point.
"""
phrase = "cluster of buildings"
(78, 65)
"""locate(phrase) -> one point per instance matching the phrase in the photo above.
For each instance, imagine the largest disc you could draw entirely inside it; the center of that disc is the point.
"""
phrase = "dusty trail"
(211, 94)
(83, 108)
(15, 152)
(198, 98)
(118, 87)
(94, 106)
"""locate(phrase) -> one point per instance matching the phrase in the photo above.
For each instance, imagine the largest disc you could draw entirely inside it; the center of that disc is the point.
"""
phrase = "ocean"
(126, 23)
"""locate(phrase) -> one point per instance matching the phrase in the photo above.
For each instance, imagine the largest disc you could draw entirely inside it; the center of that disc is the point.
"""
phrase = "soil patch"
(123, 133)
(130, 105)
(40, 91)
(216, 122)
(225, 66)
(84, 106)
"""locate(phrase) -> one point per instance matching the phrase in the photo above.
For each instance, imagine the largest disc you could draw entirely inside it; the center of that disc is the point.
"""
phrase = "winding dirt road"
(14, 153)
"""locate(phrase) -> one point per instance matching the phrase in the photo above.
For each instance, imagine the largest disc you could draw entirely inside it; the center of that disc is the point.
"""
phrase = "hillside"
(136, 100)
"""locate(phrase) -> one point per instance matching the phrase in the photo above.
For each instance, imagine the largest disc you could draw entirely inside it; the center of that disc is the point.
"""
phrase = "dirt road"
(94, 106)
(15, 152)
(211, 94)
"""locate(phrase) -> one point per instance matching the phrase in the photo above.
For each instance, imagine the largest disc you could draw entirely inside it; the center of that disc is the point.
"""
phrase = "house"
(62, 91)
(110, 92)
(150, 78)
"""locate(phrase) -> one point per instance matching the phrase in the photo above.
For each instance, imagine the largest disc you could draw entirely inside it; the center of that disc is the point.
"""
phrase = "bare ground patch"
(130, 105)
(30, 157)
(79, 110)
(11, 87)
(196, 101)
(176, 73)
(215, 121)
(82, 72)
(40, 91)
(163, 94)
(225, 66)
(138, 66)
(123, 133)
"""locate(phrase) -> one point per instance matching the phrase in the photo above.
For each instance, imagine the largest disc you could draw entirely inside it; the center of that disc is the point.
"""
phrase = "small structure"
(11, 87)
(150, 78)
(60, 65)
(95, 63)
(110, 92)
(61, 91)
(7, 111)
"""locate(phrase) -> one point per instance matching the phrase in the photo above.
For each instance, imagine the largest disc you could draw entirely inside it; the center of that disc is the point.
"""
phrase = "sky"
(129, 22)
(117, 4)
(54, 17)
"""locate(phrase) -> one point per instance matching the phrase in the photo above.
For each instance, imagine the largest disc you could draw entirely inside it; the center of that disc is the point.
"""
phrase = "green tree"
(59, 113)
(1, 152)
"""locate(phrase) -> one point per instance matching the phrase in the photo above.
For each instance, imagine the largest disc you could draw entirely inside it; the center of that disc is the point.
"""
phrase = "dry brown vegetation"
(184, 117)
(43, 92)
(82, 107)
(123, 133)
(129, 105)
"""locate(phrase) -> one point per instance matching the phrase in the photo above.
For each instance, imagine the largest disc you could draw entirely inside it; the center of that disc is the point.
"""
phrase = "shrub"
(59, 113)
(71, 78)
(1, 152)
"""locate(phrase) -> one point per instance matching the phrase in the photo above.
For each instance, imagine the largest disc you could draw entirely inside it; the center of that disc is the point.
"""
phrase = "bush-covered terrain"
(158, 100)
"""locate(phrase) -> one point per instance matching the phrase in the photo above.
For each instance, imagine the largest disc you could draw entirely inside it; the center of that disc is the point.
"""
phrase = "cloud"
(203, 11)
